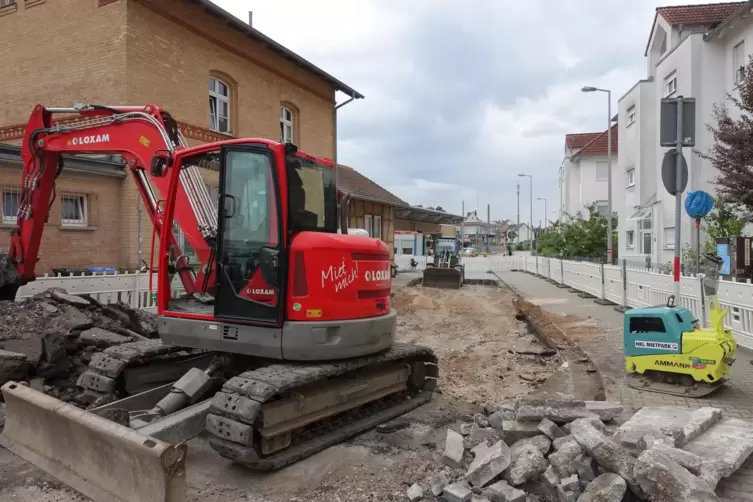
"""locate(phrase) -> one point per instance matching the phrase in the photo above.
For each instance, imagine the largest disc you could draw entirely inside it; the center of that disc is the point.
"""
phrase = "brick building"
(218, 77)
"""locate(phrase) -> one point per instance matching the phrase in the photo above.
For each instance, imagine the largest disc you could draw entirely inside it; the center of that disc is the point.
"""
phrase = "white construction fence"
(621, 285)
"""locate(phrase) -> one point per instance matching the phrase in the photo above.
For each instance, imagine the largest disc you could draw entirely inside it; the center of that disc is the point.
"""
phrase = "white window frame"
(9, 219)
(669, 241)
(605, 205)
(367, 223)
(630, 239)
(631, 177)
(377, 223)
(670, 85)
(6, 3)
(215, 98)
(738, 62)
(630, 116)
(287, 123)
(83, 205)
(605, 166)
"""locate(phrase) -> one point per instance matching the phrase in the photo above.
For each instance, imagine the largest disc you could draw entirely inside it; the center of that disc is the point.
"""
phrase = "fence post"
(603, 296)
(549, 269)
(562, 270)
(624, 283)
(537, 265)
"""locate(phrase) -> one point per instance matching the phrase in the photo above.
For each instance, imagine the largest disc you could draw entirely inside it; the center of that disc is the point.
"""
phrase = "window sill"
(631, 123)
(80, 228)
(630, 185)
(8, 9)
(229, 134)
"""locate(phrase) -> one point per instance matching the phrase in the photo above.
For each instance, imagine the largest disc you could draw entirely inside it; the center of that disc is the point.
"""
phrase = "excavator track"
(137, 366)
(276, 415)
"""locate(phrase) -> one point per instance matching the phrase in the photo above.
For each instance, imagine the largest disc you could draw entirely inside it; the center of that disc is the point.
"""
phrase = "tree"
(579, 237)
(724, 220)
(732, 153)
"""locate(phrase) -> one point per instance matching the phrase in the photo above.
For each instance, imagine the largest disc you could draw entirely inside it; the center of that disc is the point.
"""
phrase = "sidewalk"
(403, 278)
(606, 352)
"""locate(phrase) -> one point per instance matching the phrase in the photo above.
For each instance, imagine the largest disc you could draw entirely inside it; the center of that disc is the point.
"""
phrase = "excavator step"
(279, 414)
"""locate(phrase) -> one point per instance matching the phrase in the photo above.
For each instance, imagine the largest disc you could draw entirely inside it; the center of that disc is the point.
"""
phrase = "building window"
(670, 86)
(377, 227)
(669, 237)
(286, 125)
(631, 177)
(10, 206)
(738, 62)
(602, 171)
(630, 239)
(602, 208)
(5, 3)
(219, 106)
(631, 116)
(74, 210)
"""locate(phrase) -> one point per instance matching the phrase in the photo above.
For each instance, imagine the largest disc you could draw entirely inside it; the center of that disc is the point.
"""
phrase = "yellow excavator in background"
(445, 271)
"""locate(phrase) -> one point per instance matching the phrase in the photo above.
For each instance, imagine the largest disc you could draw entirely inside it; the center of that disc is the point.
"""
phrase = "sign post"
(677, 129)
(698, 204)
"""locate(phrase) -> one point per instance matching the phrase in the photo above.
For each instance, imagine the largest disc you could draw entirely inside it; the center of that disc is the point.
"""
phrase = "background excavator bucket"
(442, 277)
(101, 459)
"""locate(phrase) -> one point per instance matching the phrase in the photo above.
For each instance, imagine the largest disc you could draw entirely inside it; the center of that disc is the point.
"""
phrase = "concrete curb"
(609, 394)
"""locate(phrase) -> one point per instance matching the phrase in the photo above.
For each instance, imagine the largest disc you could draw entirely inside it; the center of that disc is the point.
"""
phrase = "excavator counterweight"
(280, 323)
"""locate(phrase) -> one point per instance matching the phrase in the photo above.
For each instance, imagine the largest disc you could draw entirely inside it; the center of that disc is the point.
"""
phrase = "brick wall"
(60, 53)
(96, 244)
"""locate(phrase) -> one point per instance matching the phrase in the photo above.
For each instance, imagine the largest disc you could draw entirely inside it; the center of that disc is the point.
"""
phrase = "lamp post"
(530, 228)
(546, 223)
(609, 166)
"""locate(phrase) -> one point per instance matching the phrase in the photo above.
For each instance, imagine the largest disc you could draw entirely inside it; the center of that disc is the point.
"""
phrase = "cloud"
(461, 100)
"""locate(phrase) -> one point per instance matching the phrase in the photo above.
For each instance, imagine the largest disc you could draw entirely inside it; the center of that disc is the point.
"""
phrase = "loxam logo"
(377, 275)
(92, 139)
(265, 292)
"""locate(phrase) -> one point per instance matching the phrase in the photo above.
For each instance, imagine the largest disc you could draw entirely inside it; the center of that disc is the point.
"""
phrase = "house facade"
(584, 173)
(692, 51)
(218, 76)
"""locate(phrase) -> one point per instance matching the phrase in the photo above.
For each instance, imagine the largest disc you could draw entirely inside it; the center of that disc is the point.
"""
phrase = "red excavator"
(282, 326)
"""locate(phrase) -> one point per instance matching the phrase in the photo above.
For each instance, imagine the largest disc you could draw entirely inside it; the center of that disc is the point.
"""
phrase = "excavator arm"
(146, 137)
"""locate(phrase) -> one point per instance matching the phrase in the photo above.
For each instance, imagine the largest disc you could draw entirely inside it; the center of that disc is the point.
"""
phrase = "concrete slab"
(728, 444)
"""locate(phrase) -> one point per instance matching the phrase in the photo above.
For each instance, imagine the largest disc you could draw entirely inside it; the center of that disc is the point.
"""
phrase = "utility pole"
(462, 227)
(517, 229)
(489, 226)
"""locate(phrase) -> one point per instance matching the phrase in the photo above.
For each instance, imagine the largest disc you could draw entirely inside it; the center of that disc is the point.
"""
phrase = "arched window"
(287, 118)
(219, 106)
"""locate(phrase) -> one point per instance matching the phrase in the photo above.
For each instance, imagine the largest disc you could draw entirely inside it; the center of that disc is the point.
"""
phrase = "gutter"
(343, 215)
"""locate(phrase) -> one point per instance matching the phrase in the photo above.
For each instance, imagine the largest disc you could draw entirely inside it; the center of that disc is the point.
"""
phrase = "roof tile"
(598, 145)
(699, 14)
(360, 187)
(579, 140)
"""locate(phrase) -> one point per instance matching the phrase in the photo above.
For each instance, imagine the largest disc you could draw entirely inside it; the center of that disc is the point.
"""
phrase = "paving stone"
(415, 493)
(727, 444)
(551, 429)
(503, 492)
(664, 480)
(454, 449)
(556, 410)
(458, 492)
(527, 464)
(608, 487)
(700, 421)
(688, 460)
(513, 431)
(606, 411)
(488, 463)
(437, 483)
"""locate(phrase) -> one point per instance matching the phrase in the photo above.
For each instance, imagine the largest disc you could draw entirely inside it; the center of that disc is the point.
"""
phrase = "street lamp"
(609, 166)
(530, 228)
(546, 223)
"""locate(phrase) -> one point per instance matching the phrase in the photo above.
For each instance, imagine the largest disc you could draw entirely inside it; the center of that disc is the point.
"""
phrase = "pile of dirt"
(47, 340)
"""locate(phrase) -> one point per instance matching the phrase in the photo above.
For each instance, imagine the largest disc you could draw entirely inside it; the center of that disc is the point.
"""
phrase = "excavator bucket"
(101, 459)
(442, 277)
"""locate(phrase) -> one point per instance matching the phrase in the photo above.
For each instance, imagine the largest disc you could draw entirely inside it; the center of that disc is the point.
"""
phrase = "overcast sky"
(461, 100)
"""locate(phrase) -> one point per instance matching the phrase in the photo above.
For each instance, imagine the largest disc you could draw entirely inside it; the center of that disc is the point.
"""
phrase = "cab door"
(250, 261)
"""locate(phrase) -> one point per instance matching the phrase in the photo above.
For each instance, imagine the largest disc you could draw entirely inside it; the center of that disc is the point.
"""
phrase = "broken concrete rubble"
(58, 333)
(488, 463)
(454, 449)
(556, 410)
(437, 483)
(591, 465)
(664, 480)
(415, 493)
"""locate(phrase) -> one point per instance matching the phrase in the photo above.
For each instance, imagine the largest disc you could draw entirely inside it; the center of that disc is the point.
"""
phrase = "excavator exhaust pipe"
(101, 459)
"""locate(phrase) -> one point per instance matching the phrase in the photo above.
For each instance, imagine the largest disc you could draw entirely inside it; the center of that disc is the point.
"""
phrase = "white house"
(692, 51)
(584, 172)
(519, 233)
